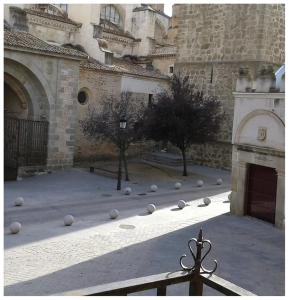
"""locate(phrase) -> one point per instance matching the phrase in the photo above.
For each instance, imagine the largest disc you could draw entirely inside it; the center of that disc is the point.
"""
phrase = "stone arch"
(270, 116)
(28, 87)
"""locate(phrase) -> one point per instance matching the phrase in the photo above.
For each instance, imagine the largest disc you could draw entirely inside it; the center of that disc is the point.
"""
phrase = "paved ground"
(48, 258)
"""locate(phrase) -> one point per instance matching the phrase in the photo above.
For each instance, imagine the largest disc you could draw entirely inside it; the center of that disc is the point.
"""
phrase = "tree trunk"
(125, 166)
(119, 170)
(185, 173)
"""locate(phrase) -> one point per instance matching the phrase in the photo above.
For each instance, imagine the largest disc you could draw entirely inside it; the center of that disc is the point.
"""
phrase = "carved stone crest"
(262, 133)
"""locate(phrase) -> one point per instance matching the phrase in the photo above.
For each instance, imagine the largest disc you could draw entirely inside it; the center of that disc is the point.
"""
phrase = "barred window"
(110, 13)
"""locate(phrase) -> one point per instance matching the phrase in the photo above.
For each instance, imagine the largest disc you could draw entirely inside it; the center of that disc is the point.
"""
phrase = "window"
(171, 69)
(82, 97)
(110, 13)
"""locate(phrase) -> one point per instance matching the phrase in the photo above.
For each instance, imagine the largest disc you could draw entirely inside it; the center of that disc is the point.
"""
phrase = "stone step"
(165, 158)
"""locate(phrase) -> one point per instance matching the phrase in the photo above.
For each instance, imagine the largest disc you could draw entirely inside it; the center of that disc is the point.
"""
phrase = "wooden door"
(261, 192)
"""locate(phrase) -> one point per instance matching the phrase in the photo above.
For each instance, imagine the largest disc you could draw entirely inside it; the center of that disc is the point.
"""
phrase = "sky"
(168, 9)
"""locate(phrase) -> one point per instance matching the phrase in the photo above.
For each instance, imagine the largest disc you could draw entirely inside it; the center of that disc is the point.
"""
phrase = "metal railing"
(197, 276)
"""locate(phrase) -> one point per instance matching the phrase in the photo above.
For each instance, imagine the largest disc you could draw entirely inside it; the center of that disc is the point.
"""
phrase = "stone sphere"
(15, 227)
(219, 181)
(178, 185)
(114, 213)
(230, 196)
(200, 183)
(68, 220)
(154, 188)
(127, 191)
(151, 208)
(207, 201)
(181, 204)
(19, 201)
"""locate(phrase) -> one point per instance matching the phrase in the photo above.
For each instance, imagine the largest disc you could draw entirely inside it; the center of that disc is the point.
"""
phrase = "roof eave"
(46, 53)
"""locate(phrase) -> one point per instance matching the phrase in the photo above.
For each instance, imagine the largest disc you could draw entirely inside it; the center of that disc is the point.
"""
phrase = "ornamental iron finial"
(198, 259)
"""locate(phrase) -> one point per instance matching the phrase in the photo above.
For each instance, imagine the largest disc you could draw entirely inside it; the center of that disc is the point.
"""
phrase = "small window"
(171, 69)
(82, 97)
(150, 99)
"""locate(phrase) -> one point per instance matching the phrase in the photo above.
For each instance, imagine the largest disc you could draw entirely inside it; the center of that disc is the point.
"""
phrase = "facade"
(258, 159)
(61, 59)
(213, 42)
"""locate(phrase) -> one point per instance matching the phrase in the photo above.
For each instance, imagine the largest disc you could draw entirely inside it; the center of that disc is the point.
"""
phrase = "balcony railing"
(197, 276)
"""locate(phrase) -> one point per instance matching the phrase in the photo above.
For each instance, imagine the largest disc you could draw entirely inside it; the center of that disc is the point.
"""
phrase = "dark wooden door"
(261, 192)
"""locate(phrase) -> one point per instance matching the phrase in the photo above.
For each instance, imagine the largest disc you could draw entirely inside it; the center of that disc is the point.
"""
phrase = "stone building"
(258, 160)
(213, 42)
(59, 59)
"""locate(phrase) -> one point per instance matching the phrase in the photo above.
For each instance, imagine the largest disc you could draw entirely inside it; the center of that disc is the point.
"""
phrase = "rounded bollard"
(68, 220)
(15, 227)
(181, 204)
(230, 196)
(200, 183)
(154, 188)
(151, 208)
(127, 191)
(207, 201)
(178, 185)
(219, 181)
(114, 213)
(19, 201)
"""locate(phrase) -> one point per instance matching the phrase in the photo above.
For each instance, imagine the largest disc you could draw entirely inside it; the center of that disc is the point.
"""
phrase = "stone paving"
(48, 258)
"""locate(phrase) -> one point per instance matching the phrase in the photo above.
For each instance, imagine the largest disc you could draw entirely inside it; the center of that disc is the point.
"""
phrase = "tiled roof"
(51, 16)
(25, 40)
(122, 66)
(164, 51)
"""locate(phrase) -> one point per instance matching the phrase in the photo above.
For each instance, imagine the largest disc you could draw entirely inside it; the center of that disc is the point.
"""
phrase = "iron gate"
(25, 142)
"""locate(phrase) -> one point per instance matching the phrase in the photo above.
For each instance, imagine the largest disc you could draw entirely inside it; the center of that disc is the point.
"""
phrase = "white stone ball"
(19, 201)
(154, 188)
(230, 196)
(15, 227)
(151, 208)
(178, 185)
(68, 220)
(114, 213)
(207, 201)
(127, 191)
(219, 181)
(200, 183)
(181, 204)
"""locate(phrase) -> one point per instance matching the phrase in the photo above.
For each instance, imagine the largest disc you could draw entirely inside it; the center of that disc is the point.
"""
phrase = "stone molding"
(117, 38)
(51, 23)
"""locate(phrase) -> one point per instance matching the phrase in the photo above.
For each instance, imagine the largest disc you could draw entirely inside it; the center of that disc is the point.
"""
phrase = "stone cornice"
(34, 19)
(117, 38)
(259, 150)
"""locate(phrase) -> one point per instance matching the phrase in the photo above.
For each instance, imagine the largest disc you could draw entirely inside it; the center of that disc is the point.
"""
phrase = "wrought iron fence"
(25, 142)
(196, 275)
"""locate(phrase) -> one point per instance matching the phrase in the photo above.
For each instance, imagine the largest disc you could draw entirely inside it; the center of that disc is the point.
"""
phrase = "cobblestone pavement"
(48, 258)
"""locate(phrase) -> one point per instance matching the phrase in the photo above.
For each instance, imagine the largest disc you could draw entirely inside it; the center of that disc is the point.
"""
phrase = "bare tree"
(182, 116)
(103, 124)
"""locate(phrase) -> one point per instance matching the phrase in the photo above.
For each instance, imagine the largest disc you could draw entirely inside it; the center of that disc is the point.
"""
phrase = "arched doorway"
(26, 112)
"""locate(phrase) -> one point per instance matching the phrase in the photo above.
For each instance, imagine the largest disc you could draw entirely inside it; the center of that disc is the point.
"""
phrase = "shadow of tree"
(250, 253)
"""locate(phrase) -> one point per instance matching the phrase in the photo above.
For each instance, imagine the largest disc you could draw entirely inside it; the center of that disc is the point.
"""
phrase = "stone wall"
(214, 41)
(51, 84)
(98, 86)
(163, 63)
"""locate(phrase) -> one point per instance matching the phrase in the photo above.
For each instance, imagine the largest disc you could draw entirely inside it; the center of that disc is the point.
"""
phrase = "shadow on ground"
(86, 215)
(250, 253)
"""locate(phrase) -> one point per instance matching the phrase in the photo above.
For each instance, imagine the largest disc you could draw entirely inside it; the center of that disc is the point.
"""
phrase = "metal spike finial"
(198, 258)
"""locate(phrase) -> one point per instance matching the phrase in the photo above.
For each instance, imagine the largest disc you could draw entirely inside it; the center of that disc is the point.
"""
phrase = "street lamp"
(122, 126)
